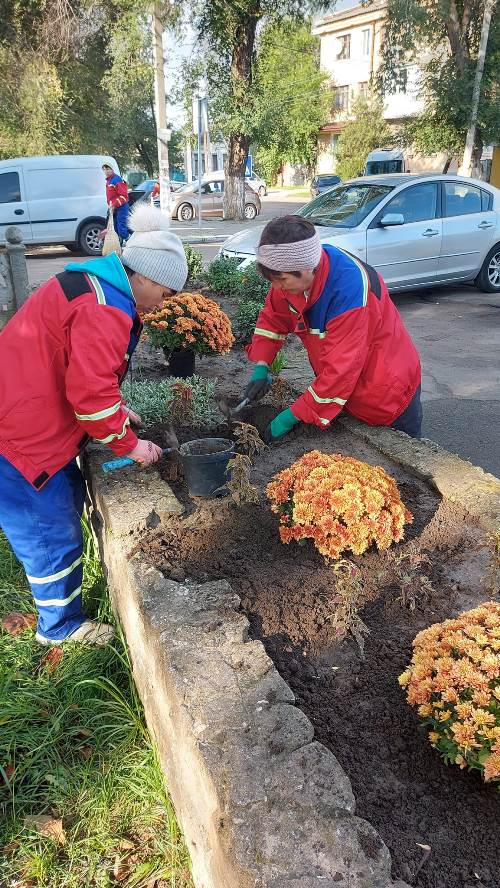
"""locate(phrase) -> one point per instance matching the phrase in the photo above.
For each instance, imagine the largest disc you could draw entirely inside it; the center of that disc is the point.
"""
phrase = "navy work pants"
(44, 529)
(410, 420)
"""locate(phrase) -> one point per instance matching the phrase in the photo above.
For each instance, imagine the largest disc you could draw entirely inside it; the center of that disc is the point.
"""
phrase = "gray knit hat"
(153, 250)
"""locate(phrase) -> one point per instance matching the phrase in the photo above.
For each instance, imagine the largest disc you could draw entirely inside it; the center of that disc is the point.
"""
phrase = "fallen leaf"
(126, 845)
(16, 622)
(8, 770)
(44, 825)
(121, 868)
(83, 732)
(50, 661)
(11, 846)
(85, 751)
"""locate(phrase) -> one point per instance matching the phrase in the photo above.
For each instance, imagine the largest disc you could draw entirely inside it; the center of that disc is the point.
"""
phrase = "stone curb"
(216, 239)
(260, 802)
(454, 478)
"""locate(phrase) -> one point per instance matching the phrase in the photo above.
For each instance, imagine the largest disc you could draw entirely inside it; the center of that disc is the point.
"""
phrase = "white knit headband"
(290, 257)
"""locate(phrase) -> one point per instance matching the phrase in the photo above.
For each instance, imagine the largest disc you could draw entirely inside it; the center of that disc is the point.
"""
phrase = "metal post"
(199, 158)
(162, 133)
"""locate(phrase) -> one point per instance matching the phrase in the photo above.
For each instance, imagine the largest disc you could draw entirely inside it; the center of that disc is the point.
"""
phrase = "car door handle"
(430, 232)
(485, 225)
(19, 212)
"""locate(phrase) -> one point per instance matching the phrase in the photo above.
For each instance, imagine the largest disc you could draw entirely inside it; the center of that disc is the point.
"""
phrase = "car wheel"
(250, 211)
(185, 212)
(262, 191)
(90, 241)
(488, 278)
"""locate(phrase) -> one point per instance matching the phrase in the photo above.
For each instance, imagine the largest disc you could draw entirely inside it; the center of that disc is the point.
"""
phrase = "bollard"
(7, 301)
(16, 261)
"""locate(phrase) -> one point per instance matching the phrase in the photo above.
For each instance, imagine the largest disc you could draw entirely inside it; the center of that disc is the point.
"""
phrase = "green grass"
(74, 745)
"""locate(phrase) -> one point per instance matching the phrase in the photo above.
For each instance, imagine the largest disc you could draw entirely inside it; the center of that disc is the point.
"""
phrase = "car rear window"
(327, 180)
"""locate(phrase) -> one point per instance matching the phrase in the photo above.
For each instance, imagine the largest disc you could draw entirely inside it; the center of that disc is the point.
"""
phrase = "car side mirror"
(392, 219)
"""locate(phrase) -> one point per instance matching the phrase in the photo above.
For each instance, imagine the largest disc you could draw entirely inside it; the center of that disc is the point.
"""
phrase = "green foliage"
(246, 319)
(251, 285)
(292, 96)
(153, 401)
(449, 33)
(223, 276)
(77, 748)
(195, 263)
(365, 132)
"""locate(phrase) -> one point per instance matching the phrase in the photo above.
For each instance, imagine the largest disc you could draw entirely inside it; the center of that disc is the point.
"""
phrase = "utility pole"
(162, 133)
(466, 165)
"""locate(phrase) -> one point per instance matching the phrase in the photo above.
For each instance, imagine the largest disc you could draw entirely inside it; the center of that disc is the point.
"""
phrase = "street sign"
(249, 165)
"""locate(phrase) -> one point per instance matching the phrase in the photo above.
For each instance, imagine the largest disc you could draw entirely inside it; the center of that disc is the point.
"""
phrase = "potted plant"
(187, 325)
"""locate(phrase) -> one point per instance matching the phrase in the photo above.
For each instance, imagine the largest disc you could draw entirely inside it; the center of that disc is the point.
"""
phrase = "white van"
(383, 161)
(56, 200)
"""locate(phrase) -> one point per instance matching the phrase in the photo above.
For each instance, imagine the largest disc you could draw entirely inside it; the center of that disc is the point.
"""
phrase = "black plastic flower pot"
(205, 465)
(180, 362)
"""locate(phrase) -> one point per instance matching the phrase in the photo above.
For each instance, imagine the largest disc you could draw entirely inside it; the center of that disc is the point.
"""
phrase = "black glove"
(260, 383)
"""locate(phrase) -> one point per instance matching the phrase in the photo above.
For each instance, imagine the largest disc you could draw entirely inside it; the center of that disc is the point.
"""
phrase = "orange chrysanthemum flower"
(190, 320)
(339, 502)
(454, 679)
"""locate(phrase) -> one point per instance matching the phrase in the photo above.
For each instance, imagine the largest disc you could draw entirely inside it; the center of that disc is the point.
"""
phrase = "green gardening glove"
(280, 425)
(260, 383)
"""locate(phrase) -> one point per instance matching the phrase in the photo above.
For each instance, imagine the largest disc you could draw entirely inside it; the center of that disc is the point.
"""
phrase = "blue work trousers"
(44, 529)
(410, 420)
(120, 219)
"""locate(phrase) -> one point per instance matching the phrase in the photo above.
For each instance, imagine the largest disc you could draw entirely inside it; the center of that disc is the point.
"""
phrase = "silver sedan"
(417, 231)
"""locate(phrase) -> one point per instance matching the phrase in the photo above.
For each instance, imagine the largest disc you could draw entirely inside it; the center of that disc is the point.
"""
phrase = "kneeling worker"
(362, 355)
(62, 358)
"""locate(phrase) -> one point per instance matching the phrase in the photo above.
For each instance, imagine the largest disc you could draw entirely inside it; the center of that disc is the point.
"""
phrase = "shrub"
(223, 276)
(194, 260)
(160, 401)
(454, 681)
(190, 320)
(339, 502)
(245, 319)
(251, 286)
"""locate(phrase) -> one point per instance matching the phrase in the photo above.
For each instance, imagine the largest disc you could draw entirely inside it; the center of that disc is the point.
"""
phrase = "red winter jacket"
(116, 191)
(361, 353)
(62, 358)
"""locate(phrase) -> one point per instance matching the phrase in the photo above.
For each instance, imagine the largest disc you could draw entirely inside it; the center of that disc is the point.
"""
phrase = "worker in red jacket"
(362, 356)
(117, 200)
(62, 359)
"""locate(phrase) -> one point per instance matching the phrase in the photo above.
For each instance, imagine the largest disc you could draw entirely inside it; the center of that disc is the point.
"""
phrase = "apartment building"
(351, 42)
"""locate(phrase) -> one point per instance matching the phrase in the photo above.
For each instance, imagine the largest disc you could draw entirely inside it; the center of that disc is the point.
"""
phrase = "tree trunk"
(239, 143)
(470, 160)
(447, 163)
(234, 192)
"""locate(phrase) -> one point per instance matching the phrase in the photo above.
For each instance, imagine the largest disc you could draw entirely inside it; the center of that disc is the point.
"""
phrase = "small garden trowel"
(232, 411)
(123, 461)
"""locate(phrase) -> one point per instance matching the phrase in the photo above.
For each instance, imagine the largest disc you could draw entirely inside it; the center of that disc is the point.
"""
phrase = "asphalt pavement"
(457, 331)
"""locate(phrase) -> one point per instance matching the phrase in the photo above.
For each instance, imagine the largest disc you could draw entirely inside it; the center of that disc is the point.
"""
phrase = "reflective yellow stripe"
(261, 332)
(292, 309)
(58, 602)
(101, 414)
(324, 421)
(319, 400)
(117, 436)
(99, 292)
(57, 576)
(321, 334)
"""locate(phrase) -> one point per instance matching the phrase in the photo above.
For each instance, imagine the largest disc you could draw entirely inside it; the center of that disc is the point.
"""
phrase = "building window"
(344, 44)
(334, 141)
(341, 98)
(363, 89)
(366, 41)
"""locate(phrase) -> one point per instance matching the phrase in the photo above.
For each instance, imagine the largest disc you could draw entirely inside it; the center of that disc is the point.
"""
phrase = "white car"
(415, 230)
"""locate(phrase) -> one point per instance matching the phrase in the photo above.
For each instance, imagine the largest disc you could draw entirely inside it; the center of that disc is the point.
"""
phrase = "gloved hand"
(145, 453)
(280, 425)
(134, 417)
(260, 383)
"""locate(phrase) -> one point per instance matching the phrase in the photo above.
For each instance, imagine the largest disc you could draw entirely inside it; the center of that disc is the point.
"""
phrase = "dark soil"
(357, 708)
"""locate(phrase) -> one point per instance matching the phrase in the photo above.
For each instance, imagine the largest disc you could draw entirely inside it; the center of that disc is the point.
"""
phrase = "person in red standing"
(117, 200)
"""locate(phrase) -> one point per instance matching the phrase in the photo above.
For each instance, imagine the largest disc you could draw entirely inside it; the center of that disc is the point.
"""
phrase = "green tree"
(442, 37)
(229, 28)
(366, 131)
(292, 96)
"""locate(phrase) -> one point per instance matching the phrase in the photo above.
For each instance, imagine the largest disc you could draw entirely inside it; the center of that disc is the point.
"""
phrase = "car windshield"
(148, 185)
(345, 206)
(188, 186)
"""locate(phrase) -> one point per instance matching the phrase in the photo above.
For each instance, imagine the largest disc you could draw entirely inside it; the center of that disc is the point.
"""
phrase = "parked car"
(416, 231)
(322, 182)
(59, 199)
(184, 202)
(142, 191)
(384, 160)
(256, 182)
